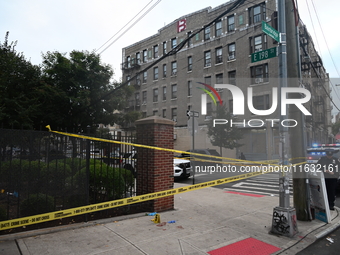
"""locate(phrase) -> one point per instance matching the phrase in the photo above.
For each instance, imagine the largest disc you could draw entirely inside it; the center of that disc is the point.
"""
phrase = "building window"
(261, 102)
(174, 114)
(207, 80)
(240, 20)
(164, 48)
(173, 68)
(258, 43)
(173, 42)
(218, 28)
(189, 39)
(219, 78)
(209, 111)
(259, 74)
(197, 36)
(164, 70)
(144, 97)
(128, 80)
(143, 114)
(189, 63)
(138, 58)
(138, 82)
(164, 93)
(231, 51)
(231, 23)
(155, 73)
(137, 99)
(189, 88)
(207, 33)
(128, 62)
(207, 58)
(232, 77)
(164, 113)
(219, 57)
(257, 13)
(145, 56)
(145, 76)
(155, 113)
(174, 91)
(155, 51)
(155, 95)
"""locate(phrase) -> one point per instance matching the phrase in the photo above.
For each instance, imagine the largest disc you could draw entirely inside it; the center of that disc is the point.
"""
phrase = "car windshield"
(214, 153)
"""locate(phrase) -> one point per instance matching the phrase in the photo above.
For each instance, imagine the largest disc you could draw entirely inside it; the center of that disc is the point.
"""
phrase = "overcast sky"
(65, 25)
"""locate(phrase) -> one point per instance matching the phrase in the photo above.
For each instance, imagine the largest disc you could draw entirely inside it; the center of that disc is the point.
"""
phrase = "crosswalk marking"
(259, 185)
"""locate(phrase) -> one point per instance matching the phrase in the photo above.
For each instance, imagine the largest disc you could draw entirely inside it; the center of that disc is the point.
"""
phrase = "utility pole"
(296, 134)
(284, 216)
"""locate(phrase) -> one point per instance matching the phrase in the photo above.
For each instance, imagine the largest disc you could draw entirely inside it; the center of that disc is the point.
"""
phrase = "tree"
(20, 88)
(85, 93)
(223, 135)
(336, 127)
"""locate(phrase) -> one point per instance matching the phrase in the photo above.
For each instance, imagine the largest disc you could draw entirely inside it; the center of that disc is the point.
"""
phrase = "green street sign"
(264, 54)
(269, 30)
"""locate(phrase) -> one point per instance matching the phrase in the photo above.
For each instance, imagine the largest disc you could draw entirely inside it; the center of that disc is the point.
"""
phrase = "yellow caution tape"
(159, 148)
(116, 203)
(132, 200)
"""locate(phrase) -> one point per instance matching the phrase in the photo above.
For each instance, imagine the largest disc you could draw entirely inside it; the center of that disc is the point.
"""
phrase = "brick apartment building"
(221, 54)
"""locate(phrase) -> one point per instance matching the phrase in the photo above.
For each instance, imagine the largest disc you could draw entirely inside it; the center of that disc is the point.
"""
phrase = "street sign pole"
(192, 115)
(283, 211)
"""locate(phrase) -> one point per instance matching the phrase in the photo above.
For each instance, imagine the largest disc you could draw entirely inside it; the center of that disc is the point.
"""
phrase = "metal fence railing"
(44, 172)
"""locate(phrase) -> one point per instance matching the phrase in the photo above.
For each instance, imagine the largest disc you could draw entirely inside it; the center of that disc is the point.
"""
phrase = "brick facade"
(155, 167)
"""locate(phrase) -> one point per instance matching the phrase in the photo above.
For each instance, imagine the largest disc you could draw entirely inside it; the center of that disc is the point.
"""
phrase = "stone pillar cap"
(155, 120)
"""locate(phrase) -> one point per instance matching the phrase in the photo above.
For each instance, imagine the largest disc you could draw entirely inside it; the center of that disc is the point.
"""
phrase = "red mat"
(246, 247)
(244, 194)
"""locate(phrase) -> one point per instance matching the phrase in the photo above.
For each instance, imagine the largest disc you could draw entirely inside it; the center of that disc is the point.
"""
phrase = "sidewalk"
(208, 221)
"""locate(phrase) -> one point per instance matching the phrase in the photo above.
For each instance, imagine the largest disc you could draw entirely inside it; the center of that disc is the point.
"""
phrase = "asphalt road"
(263, 187)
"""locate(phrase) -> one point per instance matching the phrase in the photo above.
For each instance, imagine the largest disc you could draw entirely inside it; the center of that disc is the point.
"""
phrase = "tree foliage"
(86, 95)
(20, 88)
(336, 128)
(68, 92)
(224, 136)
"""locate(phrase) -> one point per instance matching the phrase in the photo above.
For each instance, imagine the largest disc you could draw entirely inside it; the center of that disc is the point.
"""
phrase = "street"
(265, 184)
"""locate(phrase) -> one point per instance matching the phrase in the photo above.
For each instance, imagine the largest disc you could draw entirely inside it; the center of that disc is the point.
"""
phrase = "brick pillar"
(155, 168)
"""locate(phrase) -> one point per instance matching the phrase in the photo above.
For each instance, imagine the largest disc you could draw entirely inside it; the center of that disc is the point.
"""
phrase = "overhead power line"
(134, 23)
(123, 27)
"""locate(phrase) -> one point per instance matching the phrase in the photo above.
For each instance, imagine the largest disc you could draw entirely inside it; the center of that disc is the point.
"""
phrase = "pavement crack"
(126, 240)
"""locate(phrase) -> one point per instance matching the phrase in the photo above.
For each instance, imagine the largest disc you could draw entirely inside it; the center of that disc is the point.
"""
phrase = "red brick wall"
(155, 167)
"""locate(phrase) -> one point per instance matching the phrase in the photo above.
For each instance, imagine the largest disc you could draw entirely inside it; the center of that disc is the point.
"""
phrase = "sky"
(40, 26)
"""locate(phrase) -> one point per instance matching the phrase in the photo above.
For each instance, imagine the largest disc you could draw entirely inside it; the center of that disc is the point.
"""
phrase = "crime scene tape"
(157, 148)
(115, 203)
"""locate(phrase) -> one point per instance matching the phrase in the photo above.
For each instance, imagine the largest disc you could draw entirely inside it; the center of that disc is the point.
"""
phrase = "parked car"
(202, 159)
(182, 167)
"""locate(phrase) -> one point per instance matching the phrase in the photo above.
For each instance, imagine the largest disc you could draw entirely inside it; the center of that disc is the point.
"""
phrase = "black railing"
(44, 172)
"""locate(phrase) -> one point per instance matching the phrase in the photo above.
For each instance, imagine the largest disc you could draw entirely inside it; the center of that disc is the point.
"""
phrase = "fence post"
(155, 168)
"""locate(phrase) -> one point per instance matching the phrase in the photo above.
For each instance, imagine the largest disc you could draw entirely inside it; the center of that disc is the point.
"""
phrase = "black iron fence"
(44, 172)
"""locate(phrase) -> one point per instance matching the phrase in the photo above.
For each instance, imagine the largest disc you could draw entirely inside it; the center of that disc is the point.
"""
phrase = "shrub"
(36, 204)
(3, 214)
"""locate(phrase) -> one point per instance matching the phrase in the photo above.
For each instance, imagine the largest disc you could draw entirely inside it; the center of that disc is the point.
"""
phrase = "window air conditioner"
(258, 80)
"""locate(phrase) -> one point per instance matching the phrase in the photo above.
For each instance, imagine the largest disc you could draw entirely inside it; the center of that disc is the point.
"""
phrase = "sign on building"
(181, 25)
